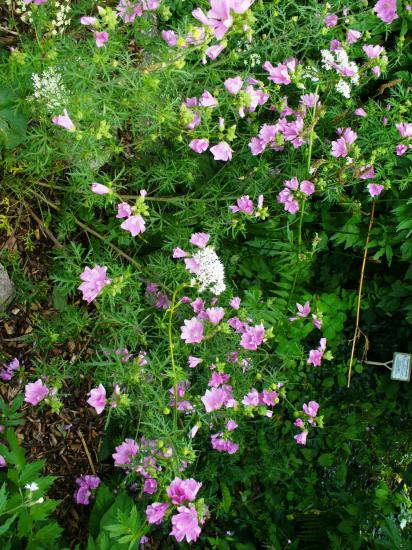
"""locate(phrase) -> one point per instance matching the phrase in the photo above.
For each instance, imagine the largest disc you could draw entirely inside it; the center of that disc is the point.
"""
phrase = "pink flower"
(352, 36)
(334, 45)
(156, 512)
(99, 189)
(331, 20)
(386, 10)
(3, 462)
(309, 100)
(134, 224)
(192, 331)
(86, 485)
(128, 11)
(366, 172)
(199, 145)
(233, 85)
(195, 121)
(199, 239)
(35, 392)
(214, 51)
(215, 314)
(303, 311)
(223, 445)
(235, 302)
(307, 187)
(252, 398)
(222, 151)
(198, 305)
(315, 357)
(182, 490)
(311, 409)
(219, 18)
(150, 486)
(6, 373)
(339, 148)
(317, 323)
(124, 210)
(193, 361)
(257, 146)
(169, 37)
(244, 204)
(278, 74)
(64, 121)
(218, 378)
(301, 438)
(179, 253)
(349, 135)
(192, 265)
(207, 100)
(375, 189)
(186, 523)
(268, 398)
(214, 399)
(88, 20)
(94, 281)
(298, 423)
(97, 398)
(405, 129)
(253, 337)
(199, 14)
(372, 51)
(360, 112)
(101, 38)
(231, 425)
(401, 149)
(124, 452)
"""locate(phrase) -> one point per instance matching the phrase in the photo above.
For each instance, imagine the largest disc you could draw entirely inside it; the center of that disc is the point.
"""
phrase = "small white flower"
(343, 88)
(211, 274)
(32, 487)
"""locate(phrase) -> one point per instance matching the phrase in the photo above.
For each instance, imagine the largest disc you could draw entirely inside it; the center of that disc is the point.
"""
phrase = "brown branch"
(86, 450)
(45, 229)
(357, 329)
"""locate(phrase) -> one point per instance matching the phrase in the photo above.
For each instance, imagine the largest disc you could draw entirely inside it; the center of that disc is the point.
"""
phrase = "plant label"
(401, 367)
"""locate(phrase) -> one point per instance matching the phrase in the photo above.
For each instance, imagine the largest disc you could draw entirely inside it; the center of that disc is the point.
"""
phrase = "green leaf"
(104, 499)
(49, 532)
(3, 497)
(31, 471)
(346, 526)
(326, 460)
(4, 527)
(16, 456)
(226, 498)
(43, 510)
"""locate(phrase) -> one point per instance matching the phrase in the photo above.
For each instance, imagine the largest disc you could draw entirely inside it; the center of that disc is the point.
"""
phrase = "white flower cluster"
(311, 73)
(211, 273)
(338, 60)
(49, 89)
(62, 20)
(343, 88)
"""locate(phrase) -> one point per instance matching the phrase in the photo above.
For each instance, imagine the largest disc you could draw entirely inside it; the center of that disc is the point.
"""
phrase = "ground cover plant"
(206, 212)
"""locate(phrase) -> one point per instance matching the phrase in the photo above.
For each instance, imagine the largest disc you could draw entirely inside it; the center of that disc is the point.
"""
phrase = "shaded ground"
(68, 440)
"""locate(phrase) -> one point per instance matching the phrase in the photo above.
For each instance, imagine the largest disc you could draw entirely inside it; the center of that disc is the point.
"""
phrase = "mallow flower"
(222, 151)
(64, 121)
(94, 280)
(35, 392)
(186, 524)
(97, 398)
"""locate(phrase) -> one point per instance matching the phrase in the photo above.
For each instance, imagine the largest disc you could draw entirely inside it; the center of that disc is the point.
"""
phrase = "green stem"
(302, 206)
(172, 308)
